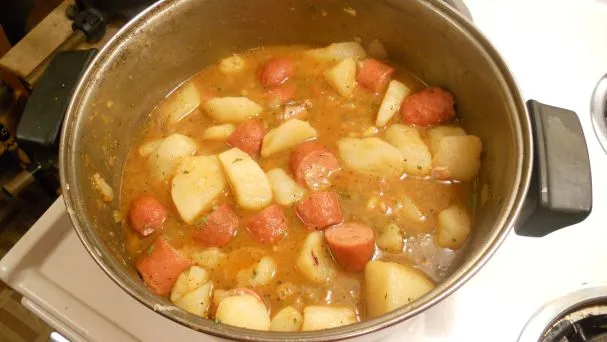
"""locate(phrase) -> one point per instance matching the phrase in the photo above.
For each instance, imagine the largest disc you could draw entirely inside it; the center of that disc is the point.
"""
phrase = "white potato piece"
(314, 260)
(390, 239)
(325, 317)
(287, 319)
(453, 228)
(371, 156)
(168, 154)
(232, 65)
(289, 134)
(244, 311)
(197, 301)
(248, 181)
(457, 157)
(231, 109)
(105, 190)
(219, 132)
(208, 258)
(181, 103)
(377, 49)
(342, 77)
(390, 285)
(197, 182)
(286, 190)
(395, 94)
(435, 135)
(188, 281)
(149, 147)
(259, 274)
(411, 210)
(416, 154)
(338, 51)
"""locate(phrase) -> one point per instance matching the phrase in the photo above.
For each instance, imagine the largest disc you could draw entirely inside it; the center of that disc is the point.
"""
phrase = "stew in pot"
(294, 188)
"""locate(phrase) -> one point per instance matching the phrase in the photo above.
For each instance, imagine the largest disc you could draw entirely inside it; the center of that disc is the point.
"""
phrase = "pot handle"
(560, 193)
(40, 124)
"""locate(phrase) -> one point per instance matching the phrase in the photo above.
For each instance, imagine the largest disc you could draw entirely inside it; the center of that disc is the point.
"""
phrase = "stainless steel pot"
(174, 39)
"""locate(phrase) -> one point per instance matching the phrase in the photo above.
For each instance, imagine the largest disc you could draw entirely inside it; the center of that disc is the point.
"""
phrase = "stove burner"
(598, 111)
(587, 324)
(580, 316)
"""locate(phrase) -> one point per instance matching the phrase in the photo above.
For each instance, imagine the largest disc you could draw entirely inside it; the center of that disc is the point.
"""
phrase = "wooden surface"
(43, 40)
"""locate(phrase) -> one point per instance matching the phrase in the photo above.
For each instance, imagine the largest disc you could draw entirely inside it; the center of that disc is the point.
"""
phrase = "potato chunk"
(371, 156)
(390, 239)
(338, 51)
(232, 65)
(453, 227)
(411, 211)
(181, 103)
(390, 285)
(325, 317)
(259, 274)
(164, 158)
(286, 190)
(248, 181)
(197, 301)
(410, 144)
(219, 132)
(188, 281)
(208, 258)
(245, 311)
(287, 319)
(394, 96)
(457, 157)
(435, 135)
(231, 109)
(289, 134)
(192, 291)
(342, 77)
(197, 182)
(314, 260)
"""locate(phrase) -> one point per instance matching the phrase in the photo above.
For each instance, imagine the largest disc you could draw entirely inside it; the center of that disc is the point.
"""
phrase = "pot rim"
(85, 230)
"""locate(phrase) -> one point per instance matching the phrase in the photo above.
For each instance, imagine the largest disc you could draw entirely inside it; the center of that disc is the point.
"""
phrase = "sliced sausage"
(319, 210)
(352, 245)
(219, 227)
(312, 164)
(283, 93)
(248, 137)
(147, 215)
(269, 224)
(160, 266)
(374, 75)
(275, 72)
(430, 106)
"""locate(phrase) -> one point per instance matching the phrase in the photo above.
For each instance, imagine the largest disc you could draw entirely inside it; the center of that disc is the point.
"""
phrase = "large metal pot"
(172, 40)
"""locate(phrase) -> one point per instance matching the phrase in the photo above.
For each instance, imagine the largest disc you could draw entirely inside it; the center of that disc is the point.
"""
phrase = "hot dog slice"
(160, 266)
(275, 72)
(248, 137)
(352, 245)
(319, 210)
(430, 106)
(147, 215)
(374, 75)
(312, 164)
(219, 227)
(269, 224)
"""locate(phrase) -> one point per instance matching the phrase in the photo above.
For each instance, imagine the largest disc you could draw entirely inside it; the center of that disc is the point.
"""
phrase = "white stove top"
(557, 49)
